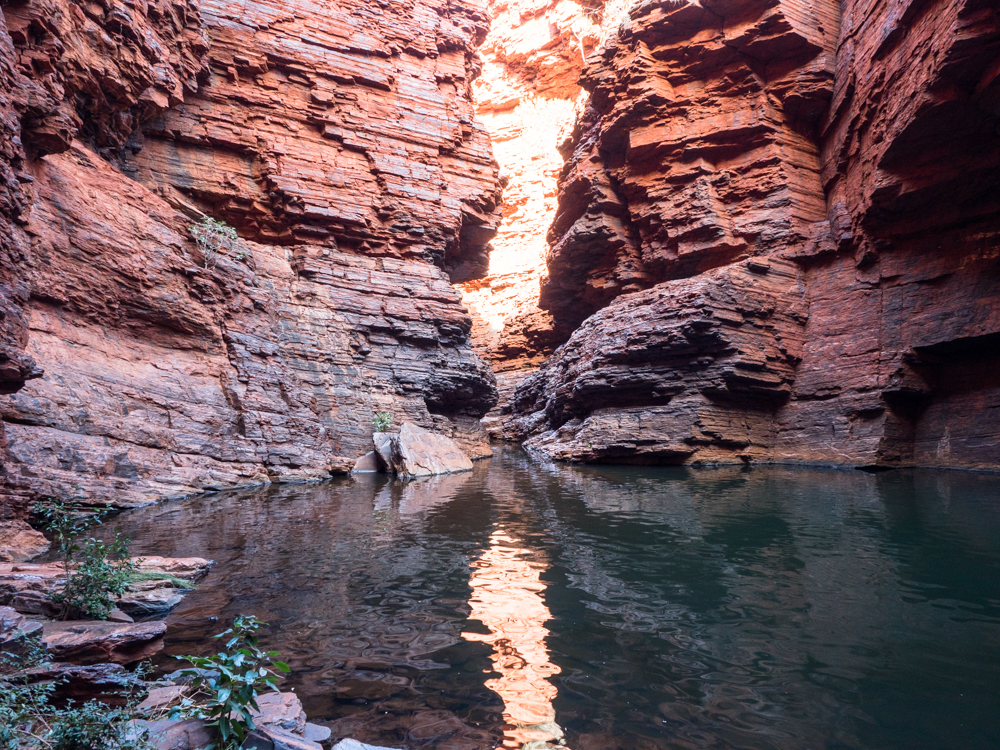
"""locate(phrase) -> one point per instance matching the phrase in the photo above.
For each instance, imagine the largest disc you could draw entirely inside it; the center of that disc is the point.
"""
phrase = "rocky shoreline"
(95, 660)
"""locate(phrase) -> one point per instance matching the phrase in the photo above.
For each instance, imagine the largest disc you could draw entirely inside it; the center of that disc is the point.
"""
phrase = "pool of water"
(530, 605)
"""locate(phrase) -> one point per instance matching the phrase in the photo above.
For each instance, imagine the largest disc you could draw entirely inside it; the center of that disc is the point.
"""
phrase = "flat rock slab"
(416, 452)
(188, 568)
(109, 683)
(94, 641)
(19, 542)
(355, 745)
(28, 587)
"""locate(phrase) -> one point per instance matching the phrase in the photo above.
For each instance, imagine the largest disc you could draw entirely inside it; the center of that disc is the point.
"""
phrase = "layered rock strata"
(857, 143)
(527, 98)
(339, 141)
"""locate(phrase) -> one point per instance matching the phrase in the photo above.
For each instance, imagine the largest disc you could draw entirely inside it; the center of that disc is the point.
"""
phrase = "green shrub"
(99, 575)
(382, 421)
(28, 720)
(229, 682)
(64, 522)
(214, 237)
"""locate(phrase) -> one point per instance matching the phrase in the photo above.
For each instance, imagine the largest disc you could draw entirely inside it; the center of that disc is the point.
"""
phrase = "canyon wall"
(338, 139)
(528, 97)
(780, 222)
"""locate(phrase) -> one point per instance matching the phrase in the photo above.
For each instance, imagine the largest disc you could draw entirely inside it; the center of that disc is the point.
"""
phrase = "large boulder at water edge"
(416, 452)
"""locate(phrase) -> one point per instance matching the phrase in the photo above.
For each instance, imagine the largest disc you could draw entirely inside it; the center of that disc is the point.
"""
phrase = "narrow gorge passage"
(537, 374)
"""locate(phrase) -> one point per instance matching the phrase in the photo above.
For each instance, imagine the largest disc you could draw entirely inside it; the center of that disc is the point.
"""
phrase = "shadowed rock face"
(860, 146)
(339, 141)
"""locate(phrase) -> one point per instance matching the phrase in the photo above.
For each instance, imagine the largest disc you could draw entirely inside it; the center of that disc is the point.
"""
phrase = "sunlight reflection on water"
(507, 598)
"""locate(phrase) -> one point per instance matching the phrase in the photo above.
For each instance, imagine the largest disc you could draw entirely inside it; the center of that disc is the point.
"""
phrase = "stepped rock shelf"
(812, 184)
(778, 239)
(338, 140)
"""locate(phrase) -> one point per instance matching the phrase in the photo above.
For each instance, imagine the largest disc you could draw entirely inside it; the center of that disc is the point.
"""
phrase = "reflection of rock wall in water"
(339, 141)
(507, 598)
(858, 142)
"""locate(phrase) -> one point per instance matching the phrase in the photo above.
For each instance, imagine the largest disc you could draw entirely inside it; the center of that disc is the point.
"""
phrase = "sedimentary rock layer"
(527, 98)
(861, 146)
(340, 142)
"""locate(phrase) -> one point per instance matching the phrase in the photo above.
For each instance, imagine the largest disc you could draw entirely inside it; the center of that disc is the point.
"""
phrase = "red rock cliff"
(339, 140)
(836, 164)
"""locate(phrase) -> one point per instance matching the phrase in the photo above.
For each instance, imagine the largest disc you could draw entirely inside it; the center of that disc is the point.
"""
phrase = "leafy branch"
(214, 237)
(229, 682)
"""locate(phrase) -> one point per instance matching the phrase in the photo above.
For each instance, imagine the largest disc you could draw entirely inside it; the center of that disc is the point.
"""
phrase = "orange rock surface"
(338, 140)
(858, 142)
(527, 97)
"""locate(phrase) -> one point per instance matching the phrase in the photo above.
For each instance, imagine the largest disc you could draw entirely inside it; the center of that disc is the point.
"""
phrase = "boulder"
(416, 452)
(367, 464)
(162, 698)
(282, 711)
(174, 734)
(95, 641)
(383, 448)
(316, 733)
(19, 542)
(271, 738)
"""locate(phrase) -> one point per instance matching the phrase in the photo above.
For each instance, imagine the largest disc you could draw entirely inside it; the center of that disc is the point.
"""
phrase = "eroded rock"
(93, 641)
(19, 542)
(718, 134)
(416, 452)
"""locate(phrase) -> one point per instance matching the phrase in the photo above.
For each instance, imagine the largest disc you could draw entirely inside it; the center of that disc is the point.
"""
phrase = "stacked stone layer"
(338, 140)
(860, 145)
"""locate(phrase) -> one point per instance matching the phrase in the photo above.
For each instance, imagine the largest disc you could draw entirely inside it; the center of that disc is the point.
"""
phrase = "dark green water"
(615, 607)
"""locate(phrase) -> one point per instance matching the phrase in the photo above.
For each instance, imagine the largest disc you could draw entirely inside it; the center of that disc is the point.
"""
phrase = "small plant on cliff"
(382, 421)
(100, 574)
(229, 683)
(214, 237)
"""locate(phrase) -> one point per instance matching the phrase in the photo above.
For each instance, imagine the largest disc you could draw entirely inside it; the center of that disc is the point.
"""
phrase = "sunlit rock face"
(528, 97)
(338, 139)
(853, 145)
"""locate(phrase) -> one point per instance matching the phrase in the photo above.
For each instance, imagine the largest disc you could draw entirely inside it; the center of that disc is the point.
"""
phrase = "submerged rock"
(416, 452)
